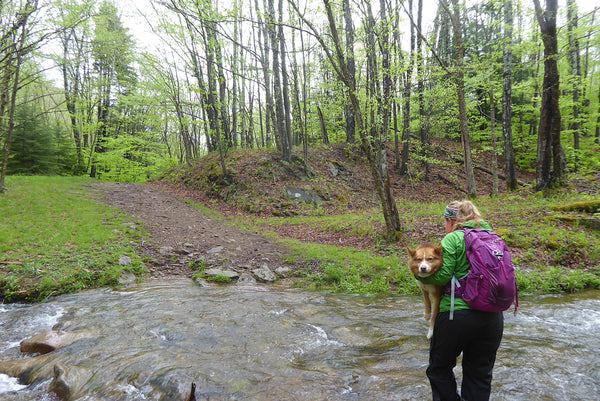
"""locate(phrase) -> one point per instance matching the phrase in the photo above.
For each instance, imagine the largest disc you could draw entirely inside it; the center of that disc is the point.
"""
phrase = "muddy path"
(181, 233)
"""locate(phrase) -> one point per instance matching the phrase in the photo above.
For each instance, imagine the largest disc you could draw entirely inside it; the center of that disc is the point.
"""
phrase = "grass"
(55, 239)
(349, 270)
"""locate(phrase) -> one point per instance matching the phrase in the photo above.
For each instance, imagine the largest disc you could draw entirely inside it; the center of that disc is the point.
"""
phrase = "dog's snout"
(423, 268)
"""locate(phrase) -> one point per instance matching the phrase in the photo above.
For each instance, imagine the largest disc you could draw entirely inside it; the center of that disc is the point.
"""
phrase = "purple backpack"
(490, 285)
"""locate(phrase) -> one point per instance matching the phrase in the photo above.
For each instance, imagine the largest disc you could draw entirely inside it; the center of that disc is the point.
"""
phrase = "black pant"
(477, 335)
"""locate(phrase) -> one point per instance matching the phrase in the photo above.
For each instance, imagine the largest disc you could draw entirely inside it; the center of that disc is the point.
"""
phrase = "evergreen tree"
(37, 149)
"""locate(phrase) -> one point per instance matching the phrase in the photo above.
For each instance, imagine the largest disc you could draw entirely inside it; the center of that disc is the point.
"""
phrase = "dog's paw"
(427, 316)
(430, 334)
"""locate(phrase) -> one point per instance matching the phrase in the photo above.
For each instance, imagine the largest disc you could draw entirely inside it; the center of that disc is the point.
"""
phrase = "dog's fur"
(423, 262)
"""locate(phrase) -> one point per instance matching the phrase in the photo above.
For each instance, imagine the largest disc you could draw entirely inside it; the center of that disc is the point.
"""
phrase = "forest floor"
(259, 186)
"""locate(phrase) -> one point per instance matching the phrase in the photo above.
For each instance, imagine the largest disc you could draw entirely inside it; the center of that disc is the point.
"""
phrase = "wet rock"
(264, 274)
(218, 272)
(52, 340)
(201, 282)
(28, 370)
(127, 278)
(246, 279)
(68, 383)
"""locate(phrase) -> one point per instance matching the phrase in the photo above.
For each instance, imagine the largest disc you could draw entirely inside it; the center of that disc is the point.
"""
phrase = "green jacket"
(455, 263)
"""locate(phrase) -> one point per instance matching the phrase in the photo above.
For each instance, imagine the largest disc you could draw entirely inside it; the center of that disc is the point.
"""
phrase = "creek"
(151, 340)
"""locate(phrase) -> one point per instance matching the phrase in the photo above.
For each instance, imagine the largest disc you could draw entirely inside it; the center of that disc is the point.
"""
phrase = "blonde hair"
(466, 211)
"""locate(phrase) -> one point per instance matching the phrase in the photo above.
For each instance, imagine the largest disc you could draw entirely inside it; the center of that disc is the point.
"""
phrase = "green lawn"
(55, 238)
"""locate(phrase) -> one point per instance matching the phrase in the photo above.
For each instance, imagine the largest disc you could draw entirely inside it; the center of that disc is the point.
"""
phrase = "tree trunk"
(574, 62)
(71, 94)
(460, 90)
(372, 72)
(493, 144)
(598, 121)
(510, 170)
(210, 88)
(443, 38)
(219, 75)
(212, 109)
(390, 210)
(5, 107)
(207, 100)
(286, 91)
(16, 69)
(406, 94)
(102, 119)
(279, 107)
(322, 125)
(297, 118)
(304, 101)
(234, 90)
(348, 110)
(550, 164)
(423, 125)
(265, 63)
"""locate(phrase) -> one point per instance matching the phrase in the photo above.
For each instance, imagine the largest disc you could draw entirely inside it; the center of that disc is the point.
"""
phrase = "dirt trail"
(181, 233)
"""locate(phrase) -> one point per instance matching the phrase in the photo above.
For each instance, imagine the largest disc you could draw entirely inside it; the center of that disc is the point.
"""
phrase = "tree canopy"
(137, 87)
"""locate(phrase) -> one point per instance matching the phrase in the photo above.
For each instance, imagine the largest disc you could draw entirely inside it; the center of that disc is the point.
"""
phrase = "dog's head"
(425, 260)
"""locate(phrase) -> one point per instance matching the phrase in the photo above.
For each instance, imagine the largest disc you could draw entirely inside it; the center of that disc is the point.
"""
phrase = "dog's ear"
(439, 250)
(411, 252)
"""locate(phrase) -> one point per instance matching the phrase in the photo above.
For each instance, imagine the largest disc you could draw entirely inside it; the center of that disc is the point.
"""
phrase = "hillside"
(262, 185)
(337, 173)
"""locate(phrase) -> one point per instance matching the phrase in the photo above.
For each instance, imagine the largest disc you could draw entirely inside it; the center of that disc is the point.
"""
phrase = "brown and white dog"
(423, 262)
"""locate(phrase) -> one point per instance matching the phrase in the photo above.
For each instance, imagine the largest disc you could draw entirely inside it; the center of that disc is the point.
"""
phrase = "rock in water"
(52, 340)
(68, 385)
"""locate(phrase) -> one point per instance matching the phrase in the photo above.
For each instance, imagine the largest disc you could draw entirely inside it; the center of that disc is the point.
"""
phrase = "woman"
(474, 333)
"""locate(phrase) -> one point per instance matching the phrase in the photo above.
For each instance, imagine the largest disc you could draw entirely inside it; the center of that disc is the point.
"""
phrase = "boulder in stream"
(68, 384)
(52, 340)
(27, 370)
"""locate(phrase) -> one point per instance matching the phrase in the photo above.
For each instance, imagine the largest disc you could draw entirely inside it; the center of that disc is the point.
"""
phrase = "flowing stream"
(150, 341)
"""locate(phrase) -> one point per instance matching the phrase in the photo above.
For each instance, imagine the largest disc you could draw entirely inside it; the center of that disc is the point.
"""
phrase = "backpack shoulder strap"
(453, 284)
